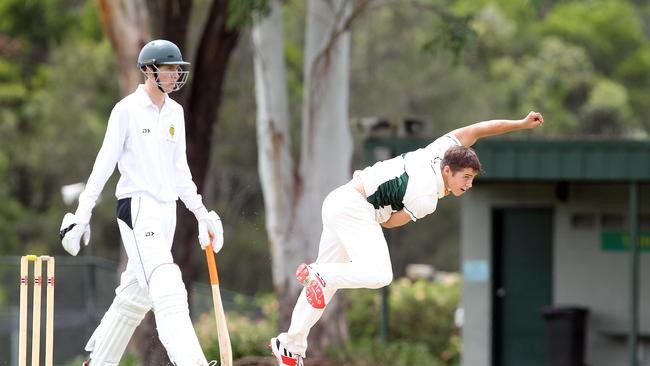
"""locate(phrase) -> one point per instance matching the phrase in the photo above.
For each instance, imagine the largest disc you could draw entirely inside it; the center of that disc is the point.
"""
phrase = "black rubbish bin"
(565, 335)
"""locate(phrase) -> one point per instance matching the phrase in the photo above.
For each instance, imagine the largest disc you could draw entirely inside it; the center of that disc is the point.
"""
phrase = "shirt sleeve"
(421, 206)
(442, 144)
(107, 157)
(185, 186)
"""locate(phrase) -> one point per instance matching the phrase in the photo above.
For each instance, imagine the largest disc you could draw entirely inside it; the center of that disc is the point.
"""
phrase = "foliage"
(129, 359)
(249, 333)
(56, 80)
(562, 67)
(451, 32)
(597, 26)
(421, 326)
(241, 12)
(555, 81)
(421, 313)
(373, 352)
(606, 108)
(394, 78)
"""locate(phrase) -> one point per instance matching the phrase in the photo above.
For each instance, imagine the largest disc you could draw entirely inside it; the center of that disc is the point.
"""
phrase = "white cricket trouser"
(147, 230)
(352, 253)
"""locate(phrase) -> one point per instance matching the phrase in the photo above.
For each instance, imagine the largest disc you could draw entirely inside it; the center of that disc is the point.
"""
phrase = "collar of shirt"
(440, 182)
(144, 100)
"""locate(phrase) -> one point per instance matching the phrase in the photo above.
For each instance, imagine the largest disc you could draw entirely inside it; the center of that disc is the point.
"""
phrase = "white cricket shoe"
(284, 357)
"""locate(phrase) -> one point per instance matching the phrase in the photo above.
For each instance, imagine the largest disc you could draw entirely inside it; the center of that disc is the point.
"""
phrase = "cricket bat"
(225, 350)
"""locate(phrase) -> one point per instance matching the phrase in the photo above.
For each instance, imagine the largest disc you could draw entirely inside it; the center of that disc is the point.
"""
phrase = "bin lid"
(564, 310)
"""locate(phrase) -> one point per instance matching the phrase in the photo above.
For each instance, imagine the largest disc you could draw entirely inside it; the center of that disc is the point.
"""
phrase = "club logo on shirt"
(146, 130)
(172, 130)
(149, 233)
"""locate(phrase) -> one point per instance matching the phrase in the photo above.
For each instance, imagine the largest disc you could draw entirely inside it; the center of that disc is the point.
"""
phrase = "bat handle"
(212, 264)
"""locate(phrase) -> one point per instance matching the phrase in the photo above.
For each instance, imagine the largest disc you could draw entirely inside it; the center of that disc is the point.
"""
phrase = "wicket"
(36, 310)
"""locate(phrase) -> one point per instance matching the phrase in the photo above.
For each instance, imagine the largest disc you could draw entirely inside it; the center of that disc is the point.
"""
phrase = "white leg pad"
(108, 342)
(173, 322)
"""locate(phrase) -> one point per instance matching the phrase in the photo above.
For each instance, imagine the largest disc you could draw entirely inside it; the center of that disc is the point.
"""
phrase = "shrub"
(421, 326)
(129, 359)
(421, 312)
(249, 333)
(373, 352)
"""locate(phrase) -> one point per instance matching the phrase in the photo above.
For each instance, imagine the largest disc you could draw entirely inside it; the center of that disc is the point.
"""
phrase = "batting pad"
(108, 342)
(175, 330)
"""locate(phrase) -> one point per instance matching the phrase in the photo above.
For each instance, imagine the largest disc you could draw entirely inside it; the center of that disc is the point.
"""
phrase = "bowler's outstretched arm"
(468, 135)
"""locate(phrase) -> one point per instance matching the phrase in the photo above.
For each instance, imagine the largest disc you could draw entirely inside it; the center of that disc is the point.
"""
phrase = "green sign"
(619, 241)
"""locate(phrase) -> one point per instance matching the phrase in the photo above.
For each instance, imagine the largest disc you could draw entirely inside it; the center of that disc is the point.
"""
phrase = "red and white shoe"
(314, 285)
(284, 357)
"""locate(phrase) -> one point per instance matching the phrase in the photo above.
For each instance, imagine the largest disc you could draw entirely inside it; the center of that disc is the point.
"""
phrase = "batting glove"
(210, 223)
(71, 233)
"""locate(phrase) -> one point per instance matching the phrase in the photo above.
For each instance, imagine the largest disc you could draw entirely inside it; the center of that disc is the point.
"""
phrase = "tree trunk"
(125, 25)
(326, 152)
(201, 100)
(275, 164)
(293, 201)
(170, 20)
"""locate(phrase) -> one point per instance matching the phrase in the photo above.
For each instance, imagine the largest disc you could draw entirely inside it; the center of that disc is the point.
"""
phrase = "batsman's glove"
(209, 223)
(72, 231)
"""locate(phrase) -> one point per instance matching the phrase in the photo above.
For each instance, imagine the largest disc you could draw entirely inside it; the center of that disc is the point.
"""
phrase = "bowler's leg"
(353, 253)
(352, 220)
(305, 316)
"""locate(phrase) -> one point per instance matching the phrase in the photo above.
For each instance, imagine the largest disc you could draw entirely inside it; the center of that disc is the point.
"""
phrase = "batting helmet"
(162, 52)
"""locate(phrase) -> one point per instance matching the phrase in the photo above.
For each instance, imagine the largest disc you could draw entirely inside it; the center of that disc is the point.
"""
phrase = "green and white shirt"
(411, 181)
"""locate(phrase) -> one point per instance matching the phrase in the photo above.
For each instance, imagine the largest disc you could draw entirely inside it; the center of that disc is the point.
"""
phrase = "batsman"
(353, 252)
(145, 137)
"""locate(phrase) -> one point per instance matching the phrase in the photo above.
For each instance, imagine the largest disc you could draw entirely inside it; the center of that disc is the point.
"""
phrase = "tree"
(599, 29)
(28, 66)
(293, 193)
(125, 25)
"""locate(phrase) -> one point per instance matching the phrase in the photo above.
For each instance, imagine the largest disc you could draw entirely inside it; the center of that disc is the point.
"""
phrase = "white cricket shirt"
(148, 146)
(411, 181)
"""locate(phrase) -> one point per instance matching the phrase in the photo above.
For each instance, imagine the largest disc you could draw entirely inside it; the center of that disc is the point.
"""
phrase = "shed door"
(522, 240)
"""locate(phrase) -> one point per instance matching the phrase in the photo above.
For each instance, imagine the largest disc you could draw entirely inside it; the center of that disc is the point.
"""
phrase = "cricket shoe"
(284, 357)
(314, 285)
